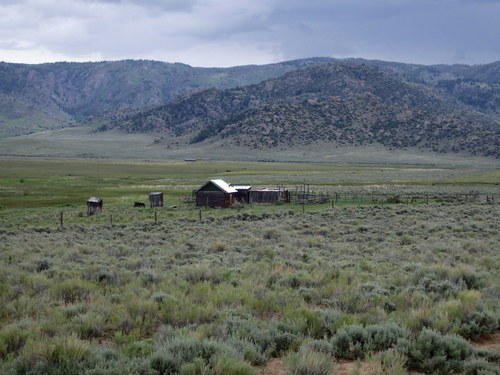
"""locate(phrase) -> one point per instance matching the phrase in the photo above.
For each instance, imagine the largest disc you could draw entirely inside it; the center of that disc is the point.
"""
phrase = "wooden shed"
(268, 195)
(156, 199)
(242, 195)
(215, 193)
(94, 205)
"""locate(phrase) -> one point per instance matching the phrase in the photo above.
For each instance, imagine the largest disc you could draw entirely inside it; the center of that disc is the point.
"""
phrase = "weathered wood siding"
(94, 206)
(156, 199)
(243, 197)
(268, 196)
(214, 199)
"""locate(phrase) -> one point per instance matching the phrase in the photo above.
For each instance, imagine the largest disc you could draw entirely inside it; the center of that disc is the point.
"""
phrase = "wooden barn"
(156, 199)
(94, 205)
(216, 193)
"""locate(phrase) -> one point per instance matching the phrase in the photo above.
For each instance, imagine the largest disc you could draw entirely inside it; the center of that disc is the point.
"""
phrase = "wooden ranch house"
(94, 205)
(218, 193)
(215, 193)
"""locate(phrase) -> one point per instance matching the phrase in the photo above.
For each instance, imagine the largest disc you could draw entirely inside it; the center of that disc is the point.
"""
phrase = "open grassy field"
(401, 287)
(85, 142)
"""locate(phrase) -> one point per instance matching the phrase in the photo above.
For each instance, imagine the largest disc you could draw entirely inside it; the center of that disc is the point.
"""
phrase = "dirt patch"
(490, 341)
(345, 367)
(276, 366)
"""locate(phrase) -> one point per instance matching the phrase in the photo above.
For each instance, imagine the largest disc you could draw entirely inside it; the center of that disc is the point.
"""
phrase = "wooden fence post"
(61, 219)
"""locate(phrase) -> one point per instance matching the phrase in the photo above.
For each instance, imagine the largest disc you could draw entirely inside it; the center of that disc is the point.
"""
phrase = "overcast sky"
(239, 32)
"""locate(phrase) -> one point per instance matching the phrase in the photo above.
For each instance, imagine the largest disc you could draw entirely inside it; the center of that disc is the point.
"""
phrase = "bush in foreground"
(355, 341)
(434, 353)
(308, 362)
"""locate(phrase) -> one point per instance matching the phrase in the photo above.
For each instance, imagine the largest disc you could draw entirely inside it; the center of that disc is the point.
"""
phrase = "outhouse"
(94, 205)
(156, 199)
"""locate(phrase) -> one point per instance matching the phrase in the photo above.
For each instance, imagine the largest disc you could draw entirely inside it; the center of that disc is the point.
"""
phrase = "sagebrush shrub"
(476, 323)
(88, 326)
(350, 342)
(481, 367)
(251, 352)
(319, 346)
(57, 355)
(12, 340)
(177, 351)
(306, 362)
(72, 290)
(196, 367)
(388, 362)
(247, 329)
(435, 353)
(308, 322)
(489, 355)
(225, 365)
(355, 341)
(385, 335)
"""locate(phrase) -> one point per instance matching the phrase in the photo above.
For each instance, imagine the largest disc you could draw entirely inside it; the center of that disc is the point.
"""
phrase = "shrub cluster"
(356, 341)
(434, 353)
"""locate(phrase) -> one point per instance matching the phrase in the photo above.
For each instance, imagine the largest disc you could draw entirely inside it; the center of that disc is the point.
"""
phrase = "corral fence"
(363, 198)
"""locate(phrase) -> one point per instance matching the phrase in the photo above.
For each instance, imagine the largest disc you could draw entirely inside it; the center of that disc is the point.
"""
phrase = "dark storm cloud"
(233, 32)
(411, 31)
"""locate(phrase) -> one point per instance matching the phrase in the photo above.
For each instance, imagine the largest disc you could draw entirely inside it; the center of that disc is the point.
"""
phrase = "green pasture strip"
(490, 177)
(56, 183)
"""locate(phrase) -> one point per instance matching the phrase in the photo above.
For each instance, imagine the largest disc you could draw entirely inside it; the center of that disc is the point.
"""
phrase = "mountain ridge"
(231, 104)
(342, 102)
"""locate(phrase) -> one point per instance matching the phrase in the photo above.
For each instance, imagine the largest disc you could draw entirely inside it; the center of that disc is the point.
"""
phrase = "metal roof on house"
(242, 187)
(222, 185)
(268, 189)
(94, 200)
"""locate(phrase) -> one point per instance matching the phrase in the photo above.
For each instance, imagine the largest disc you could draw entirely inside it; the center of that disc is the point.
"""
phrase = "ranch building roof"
(221, 185)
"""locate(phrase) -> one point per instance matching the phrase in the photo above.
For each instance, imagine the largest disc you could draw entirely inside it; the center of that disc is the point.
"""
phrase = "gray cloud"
(235, 32)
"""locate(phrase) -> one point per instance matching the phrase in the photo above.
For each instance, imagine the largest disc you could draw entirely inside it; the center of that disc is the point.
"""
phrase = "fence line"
(311, 197)
(307, 197)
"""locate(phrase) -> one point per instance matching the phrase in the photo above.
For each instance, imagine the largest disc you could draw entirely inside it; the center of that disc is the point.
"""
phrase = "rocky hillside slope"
(51, 95)
(342, 103)
(61, 93)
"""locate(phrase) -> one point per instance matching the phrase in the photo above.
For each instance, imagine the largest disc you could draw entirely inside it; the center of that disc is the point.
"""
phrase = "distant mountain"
(440, 108)
(55, 95)
(477, 86)
(62, 93)
(19, 117)
(344, 103)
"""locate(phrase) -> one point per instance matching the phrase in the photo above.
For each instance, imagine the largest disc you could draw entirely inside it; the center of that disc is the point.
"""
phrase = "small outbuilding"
(94, 205)
(156, 199)
(268, 195)
(216, 193)
(242, 195)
